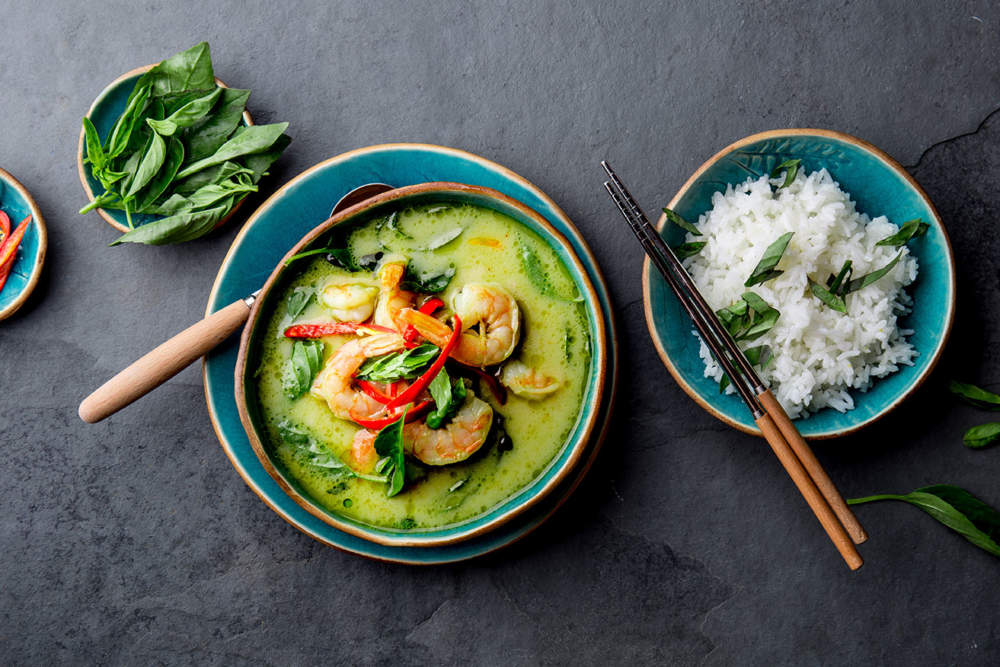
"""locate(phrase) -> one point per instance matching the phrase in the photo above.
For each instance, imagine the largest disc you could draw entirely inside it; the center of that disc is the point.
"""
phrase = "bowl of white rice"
(864, 301)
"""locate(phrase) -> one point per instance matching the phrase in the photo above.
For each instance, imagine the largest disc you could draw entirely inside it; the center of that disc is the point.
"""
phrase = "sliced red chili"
(373, 391)
(421, 383)
(333, 329)
(378, 424)
(8, 248)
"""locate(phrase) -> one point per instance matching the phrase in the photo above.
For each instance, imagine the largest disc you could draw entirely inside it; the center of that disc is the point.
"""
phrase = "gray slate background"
(135, 542)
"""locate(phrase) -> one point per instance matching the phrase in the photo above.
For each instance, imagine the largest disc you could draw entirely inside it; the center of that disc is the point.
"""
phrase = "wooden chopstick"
(806, 472)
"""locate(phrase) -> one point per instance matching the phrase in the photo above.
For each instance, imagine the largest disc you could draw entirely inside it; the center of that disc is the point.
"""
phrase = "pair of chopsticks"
(787, 443)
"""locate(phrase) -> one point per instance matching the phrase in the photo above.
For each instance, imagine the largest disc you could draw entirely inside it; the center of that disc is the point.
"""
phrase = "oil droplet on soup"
(491, 248)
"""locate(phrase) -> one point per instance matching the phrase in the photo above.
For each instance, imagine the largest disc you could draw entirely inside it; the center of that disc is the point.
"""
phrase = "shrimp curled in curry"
(459, 439)
(487, 305)
(335, 382)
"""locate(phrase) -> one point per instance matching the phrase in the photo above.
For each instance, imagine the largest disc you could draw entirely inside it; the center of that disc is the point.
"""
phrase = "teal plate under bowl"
(104, 113)
(17, 204)
(281, 222)
(879, 186)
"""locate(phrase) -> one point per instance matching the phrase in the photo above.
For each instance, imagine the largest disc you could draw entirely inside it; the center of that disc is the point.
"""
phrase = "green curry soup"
(481, 246)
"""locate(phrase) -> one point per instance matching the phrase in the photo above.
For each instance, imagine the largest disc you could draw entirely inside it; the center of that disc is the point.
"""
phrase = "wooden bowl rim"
(892, 164)
(81, 169)
(579, 447)
(43, 245)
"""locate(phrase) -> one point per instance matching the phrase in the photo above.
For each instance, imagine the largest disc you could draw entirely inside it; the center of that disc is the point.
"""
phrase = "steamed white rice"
(819, 353)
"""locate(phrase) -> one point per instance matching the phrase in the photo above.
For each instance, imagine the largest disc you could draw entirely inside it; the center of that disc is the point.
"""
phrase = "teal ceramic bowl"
(879, 186)
(17, 204)
(104, 113)
(521, 501)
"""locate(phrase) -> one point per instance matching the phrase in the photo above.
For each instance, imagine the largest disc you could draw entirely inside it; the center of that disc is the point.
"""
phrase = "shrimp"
(527, 382)
(334, 383)
(392, 300)
(458, 440)
(349, 302)
(491, 307)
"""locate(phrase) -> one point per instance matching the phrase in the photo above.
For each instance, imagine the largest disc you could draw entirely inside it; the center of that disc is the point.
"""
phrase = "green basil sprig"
(405, 365)
(389, 444)
(791, 169)
(302, 367)
(765, 270)
(910, 230)
(956, 508)
(759, 355)
(427, 282)
(448, 395)
(839, 286)
(973, 395)
(297, 301)
(674, 217)
(178, 151)
(749, 318)
(980, 436)
(685, 250)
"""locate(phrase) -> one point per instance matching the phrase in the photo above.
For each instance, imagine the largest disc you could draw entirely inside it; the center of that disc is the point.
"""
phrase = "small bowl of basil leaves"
(168, 152)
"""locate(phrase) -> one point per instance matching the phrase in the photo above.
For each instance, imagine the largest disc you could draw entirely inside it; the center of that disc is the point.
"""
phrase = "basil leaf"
(121, 133)
(973, 395)
(297, 301)
(827, 297)
(258, 163)
(185, 71)
(791, 169)
(956, 508)
(245, 141)
(95, 152)
(440, 389)
(869, 278)
(426, 282)
(910, 230)
(176, 228)
(685, 250)
(187, 115)
(204, 138)
(208, 176)
(757, 356)
(171, 163)
(978, 437)
(765, 270)
(149, 165)
(389, 442)
(749, 318)
(680, 222)
(302, 367)
(443, 239)
(839, 281)
(405, 365)
(390, 223)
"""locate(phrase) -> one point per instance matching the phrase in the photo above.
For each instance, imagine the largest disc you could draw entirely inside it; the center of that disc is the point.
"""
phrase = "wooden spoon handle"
(831, 524)
(813, 467)
(164, 362)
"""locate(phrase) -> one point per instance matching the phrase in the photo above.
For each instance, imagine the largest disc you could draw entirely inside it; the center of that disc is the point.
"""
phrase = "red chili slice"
(421, 383)
(8, 249)
(333, 329)
(373, 391)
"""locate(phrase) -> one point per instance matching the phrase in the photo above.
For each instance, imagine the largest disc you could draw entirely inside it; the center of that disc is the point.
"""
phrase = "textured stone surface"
(134, 541)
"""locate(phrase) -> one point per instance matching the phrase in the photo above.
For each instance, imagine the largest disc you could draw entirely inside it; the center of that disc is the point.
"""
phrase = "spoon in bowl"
(174, 355)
